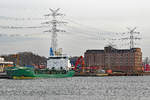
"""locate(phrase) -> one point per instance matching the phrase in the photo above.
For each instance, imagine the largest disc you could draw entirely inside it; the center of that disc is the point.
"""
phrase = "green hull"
(29, 72)
(68, 74)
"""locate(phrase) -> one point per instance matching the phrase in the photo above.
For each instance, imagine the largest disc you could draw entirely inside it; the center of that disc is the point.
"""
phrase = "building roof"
(112, 50)
(94, 51)
(6, 62)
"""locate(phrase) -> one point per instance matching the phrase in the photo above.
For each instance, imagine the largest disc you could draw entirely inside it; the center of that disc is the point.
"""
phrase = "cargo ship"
(29, 73)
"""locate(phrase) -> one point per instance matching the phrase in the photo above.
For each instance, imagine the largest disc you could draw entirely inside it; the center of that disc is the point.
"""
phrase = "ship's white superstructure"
(58, 62)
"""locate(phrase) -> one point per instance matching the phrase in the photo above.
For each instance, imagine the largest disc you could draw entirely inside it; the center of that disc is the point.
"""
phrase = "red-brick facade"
(125, 60)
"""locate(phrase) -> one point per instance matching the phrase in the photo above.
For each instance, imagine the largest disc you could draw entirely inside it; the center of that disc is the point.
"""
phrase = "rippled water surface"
(77, 88)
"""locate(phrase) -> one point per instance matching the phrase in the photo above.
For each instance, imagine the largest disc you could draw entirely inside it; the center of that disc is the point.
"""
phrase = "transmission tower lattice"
(132, 32)
(54, 22)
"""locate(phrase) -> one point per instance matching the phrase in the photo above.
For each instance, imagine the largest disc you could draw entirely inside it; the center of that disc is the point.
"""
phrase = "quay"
(112, 74)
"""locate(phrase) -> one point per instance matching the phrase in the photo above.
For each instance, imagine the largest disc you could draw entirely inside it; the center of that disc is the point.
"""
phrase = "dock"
(111, 74)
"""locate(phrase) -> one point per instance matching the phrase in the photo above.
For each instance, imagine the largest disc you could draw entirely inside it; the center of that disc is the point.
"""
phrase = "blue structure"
(51, 52)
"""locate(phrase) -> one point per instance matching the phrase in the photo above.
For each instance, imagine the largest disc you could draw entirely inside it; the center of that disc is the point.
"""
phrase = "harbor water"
(77, 88)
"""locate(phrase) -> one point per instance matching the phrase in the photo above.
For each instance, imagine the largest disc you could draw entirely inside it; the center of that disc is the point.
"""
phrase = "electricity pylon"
(54, 22)
(132, 37)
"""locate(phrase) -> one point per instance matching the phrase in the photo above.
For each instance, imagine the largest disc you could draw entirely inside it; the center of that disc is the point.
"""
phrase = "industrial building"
(117, 60)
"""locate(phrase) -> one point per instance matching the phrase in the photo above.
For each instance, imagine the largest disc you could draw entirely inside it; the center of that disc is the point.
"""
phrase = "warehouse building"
(122, 60)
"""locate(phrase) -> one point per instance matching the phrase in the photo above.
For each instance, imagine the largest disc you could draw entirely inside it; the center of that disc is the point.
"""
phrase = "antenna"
(54, 22)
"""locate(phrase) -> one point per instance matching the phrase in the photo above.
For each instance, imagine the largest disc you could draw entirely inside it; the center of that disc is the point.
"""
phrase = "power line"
(86, 26)
(20, 19)
(21, 27)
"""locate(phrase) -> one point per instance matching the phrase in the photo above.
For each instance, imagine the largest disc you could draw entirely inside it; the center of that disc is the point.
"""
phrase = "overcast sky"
(90, 25)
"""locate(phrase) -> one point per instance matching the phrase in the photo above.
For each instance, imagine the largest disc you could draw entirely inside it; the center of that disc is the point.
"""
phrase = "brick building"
(125, 60)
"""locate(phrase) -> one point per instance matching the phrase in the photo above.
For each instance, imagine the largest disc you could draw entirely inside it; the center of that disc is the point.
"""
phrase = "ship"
(18, 72)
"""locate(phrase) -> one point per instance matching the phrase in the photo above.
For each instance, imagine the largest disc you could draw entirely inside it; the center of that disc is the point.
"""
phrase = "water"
(77, 88)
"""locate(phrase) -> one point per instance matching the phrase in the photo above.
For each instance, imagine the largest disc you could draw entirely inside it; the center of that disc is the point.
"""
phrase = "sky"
(91, 24)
